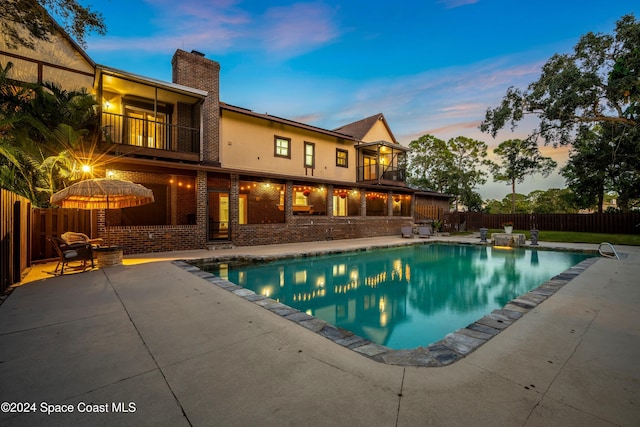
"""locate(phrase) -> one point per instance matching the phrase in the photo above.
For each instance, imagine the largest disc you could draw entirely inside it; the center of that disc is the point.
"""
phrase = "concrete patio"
(148, 343)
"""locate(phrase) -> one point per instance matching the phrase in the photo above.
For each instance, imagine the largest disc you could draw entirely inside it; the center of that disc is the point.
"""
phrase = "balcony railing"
(119, 129)
(376, 172)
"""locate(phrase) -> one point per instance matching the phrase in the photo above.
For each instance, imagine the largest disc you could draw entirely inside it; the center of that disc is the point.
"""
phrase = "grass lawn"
(575, 237)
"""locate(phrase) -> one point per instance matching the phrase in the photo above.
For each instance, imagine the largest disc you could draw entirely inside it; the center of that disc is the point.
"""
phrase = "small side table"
(108, 256)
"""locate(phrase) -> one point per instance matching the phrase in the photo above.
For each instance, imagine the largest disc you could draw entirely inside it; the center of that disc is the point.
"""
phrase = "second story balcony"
(379, 172)
(146, 117)
(150, 133)
(381, 162)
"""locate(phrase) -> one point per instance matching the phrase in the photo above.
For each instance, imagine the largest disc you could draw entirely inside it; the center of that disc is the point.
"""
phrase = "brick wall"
(317, 228)
(160, 238)
(181, 198)
(194, 70)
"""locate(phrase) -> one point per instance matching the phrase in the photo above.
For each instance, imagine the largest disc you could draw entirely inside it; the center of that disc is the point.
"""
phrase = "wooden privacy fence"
(428, 212)
(15, 229)
(55, 222)
(618, 223)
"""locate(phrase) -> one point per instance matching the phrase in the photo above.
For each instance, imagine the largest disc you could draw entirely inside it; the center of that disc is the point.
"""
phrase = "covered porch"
(381, 162)
(145, 117)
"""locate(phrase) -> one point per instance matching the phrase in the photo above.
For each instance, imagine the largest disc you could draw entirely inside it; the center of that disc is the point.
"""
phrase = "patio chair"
(72, 237)
(425, 231)
(407, 232)
(67, 253)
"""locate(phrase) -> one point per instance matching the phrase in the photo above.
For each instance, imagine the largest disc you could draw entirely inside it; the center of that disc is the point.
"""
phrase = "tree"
(598, 83)
(586, 171)
(553, 200)
(42, 128)
(77, 20)
(452, 167)
(427, 163)
(467, 156)
(599, 163)
(519, 158)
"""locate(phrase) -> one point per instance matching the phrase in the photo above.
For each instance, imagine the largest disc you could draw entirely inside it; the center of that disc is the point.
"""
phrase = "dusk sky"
(431, 67)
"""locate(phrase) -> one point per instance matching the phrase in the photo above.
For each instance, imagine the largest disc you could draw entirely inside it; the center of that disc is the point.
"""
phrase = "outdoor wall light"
(85, 169)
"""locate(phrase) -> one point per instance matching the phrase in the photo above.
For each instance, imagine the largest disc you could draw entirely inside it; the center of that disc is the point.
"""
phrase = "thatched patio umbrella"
(103, 193)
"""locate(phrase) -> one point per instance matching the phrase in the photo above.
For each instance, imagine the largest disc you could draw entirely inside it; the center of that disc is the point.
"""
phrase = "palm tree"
(41, 128)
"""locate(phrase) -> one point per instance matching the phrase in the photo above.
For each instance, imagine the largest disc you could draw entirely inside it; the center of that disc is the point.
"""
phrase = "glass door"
(218, 215)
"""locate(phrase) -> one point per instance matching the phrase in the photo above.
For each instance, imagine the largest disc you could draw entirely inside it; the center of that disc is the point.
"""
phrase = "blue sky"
(432, 66)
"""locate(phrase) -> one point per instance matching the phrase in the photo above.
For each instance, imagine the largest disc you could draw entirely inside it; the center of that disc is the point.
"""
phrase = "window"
(342, 158)
(147, 123)
(146, 129)
(309, 155)
(282, 147)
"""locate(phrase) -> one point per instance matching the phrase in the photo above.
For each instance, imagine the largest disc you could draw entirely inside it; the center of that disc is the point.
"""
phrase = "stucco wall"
(247, 143)
(59, 61)
(378, 132)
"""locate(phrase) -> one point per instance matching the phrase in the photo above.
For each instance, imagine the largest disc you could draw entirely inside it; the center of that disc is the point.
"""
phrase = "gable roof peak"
(360, 128)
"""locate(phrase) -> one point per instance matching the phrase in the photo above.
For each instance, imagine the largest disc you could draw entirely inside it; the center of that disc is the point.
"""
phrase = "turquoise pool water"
(402, 297)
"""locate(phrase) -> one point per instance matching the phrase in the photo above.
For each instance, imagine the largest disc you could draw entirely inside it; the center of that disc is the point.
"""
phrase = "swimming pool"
(404, 297)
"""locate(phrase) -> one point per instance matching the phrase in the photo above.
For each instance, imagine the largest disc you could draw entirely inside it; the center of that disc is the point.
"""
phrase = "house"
(222, 173)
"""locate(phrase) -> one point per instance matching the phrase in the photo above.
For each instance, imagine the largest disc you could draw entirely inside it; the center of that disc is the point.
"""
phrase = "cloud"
(442, 100)
(449, 4)
(297, 28)
(222, 26)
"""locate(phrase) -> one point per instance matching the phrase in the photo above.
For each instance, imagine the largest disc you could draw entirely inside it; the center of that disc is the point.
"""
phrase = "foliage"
(598, 83)
(77, 20)
(505, 205)
(540, 201)
(519, 159)
(591, 99)
(452, 167)
(601, 161)
(553, 200)
(41, 129)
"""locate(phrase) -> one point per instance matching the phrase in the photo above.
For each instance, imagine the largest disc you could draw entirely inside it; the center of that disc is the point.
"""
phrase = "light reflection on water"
(403, 297)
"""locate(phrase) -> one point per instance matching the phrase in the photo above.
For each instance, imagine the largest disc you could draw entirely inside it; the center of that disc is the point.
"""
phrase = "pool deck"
(185, 352)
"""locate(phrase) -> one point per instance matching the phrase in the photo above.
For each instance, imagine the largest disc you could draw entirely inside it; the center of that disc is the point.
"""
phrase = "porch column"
(288, 201)
(173, 196)
(234, 204)
(412, 209)
(390, 203)
(329, 201)
(363, 203)
(201, 208)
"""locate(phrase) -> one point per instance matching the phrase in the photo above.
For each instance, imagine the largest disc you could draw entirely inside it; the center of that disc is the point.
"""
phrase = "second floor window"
(309, 155)
(282, 147)
(342, 158)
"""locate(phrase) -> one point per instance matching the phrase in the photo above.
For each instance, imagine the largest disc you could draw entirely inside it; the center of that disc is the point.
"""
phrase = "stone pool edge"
(453, 347)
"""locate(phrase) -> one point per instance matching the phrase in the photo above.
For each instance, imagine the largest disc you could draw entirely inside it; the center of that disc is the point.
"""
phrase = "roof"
(240, 110)
(150, 81)
(395, 147)
(360, 128)
(428, 192)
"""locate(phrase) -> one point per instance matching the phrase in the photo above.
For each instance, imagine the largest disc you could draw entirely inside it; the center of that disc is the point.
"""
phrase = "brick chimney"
(192, 69)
